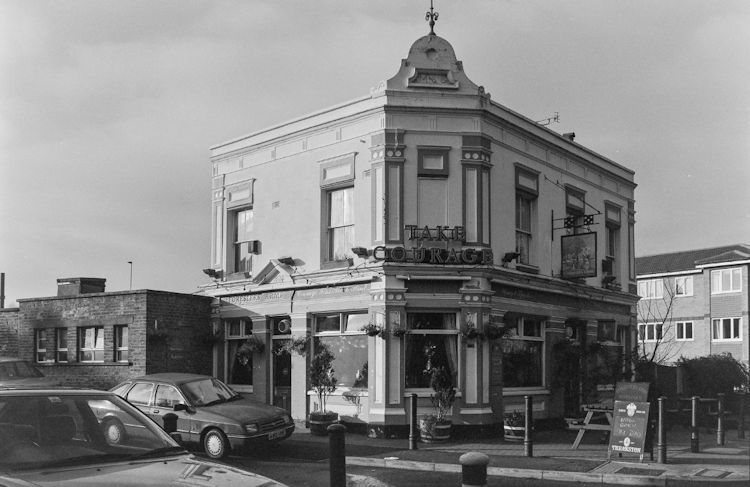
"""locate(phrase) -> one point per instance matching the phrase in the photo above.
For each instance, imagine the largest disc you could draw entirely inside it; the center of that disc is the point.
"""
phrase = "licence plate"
(275, 435)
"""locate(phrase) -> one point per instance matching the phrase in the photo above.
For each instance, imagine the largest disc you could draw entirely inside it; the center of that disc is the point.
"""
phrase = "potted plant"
(323, 382)
(469, 331)
(514, 426)
(373, 330)
(437, 427)
(398, 331)
(252, 345)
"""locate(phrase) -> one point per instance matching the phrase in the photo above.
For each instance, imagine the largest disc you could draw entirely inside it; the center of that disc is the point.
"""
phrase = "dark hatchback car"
(209, 413)
(58, 437)
(19, 373)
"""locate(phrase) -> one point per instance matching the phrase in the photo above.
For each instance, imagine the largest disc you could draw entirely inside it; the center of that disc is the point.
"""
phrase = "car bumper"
(239, 442)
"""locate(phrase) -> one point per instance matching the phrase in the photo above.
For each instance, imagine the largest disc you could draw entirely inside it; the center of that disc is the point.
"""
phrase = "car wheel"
(215, 444)
(114, 432)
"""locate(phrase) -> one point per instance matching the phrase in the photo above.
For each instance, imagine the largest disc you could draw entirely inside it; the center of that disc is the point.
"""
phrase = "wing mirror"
(182, 407)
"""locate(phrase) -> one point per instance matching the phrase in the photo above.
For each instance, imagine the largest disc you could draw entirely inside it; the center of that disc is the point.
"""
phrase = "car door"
(165, 399)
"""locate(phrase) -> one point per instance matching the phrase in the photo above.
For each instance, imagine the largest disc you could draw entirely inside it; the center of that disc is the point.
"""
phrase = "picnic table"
(593, 411)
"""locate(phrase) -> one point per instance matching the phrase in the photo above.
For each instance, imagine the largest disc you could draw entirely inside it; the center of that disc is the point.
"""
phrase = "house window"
(121, 343)
(527, 184)
(243, 234)
(651, 289)
(477, 204)
(607, 331)
(61, 337)
(340, 232)
(726, 329)
(650, 332)
(431, 342)
(523, 352)
(239, 351)
(684, 330)
(91, 344)
(683, 286)
(612, 236)
(40, 339)
(342, 334)
(726, 280)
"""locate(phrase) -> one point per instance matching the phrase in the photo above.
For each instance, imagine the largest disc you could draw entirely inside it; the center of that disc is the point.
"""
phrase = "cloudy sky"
(108, 108)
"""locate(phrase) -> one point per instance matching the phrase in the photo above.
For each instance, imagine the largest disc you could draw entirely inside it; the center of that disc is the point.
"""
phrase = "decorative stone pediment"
(273, 272)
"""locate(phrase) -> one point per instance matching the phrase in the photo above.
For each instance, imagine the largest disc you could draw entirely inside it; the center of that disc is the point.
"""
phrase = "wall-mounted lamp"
(212, 273)
(286, 261)
(509, 256)
(607, 280)
(361, 252)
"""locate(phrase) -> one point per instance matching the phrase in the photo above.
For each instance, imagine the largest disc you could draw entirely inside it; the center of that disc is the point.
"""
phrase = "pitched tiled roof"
(687, 260)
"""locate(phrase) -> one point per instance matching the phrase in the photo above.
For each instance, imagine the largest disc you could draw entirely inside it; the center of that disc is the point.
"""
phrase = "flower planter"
(431, 431)
(514, 433)
(319, 422)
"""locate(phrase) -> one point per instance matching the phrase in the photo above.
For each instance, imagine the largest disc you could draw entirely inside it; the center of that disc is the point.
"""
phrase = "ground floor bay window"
(342, 334)
(523, 352)
(431, 342)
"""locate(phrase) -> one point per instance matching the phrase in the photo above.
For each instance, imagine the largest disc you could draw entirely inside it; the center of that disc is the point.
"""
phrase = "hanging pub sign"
(579, 255)
(434, 255)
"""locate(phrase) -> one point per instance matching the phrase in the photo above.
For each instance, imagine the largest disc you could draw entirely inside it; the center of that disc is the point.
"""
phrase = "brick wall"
(178, 346)
(9, 332)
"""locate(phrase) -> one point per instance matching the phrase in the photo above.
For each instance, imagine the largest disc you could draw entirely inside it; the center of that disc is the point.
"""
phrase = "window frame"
(244, 332)
(454, 332)
(59, 349)
(717, 284)
(658, 332)
(118, 347)
(681, 330)
(344, 330)
(735, 324)
(658, 292)
(242, 257)
(480, 203)
(687, 286)
(40, 335)
(328, 249)
(525, 336)
(81, 341)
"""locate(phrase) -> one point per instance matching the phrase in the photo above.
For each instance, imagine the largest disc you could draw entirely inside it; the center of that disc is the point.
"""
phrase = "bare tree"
(659, 345)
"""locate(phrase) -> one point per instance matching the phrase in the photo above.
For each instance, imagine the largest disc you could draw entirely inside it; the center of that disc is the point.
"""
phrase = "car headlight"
(251, 428)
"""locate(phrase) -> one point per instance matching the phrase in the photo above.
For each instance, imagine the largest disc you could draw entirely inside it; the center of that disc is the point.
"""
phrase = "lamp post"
(131, 274)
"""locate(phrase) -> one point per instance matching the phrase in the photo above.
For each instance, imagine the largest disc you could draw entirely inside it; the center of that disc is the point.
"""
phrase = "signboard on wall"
(579, 255)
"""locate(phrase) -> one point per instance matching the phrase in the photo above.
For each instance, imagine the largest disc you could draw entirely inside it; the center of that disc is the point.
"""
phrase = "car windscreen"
(43, 430)
(204, 392)
(18, 370)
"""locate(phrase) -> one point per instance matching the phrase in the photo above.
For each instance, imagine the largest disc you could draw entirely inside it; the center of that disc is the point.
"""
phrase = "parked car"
(209, 413)
(56, 437)
(17, 372)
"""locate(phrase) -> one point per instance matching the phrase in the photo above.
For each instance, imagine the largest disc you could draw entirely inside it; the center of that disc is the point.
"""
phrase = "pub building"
(427, 210)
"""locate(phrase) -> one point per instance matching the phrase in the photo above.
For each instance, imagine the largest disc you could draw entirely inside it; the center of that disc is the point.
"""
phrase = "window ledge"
(523, 391)
(336, 264)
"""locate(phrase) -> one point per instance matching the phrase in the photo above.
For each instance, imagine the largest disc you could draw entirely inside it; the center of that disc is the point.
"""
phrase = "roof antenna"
(432, 16)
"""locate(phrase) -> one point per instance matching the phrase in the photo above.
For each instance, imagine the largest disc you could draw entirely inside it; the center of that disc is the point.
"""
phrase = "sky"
(108, 109)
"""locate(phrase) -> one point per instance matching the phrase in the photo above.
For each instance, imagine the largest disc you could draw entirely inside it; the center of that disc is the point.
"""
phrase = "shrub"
(710, 375)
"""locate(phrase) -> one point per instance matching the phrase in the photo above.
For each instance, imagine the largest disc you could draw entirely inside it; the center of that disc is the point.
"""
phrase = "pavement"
(554, 459)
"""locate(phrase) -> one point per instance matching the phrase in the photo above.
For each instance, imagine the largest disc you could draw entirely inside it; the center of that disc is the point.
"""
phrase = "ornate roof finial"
(432, 16)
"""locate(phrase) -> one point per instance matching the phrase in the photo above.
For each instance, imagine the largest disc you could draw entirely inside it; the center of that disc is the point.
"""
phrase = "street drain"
(714, 474)
(640, 471)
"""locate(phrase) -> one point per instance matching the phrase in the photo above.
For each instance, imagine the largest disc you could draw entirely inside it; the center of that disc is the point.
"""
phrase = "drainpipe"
(2, 290)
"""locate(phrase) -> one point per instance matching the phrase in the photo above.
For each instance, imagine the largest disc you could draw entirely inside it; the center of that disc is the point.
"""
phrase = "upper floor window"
(527, 191)
(121, 343)
(476, 204)
(683, 286)
(684, 330)
(575, 207)
(340, 233)
(612, 236)
(651, 289)
(726, 328)
(726, 280)
(243, 234)
(91, 344)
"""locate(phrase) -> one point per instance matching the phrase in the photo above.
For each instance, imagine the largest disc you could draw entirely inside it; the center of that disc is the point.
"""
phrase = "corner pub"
(423, 209)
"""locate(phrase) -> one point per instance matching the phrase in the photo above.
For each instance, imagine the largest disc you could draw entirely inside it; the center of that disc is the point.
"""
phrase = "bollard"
(474, 469)
(338, 455)
(413, 423)
(528, 435)
(661, 442)
(694, 425)
(741, 424)
(720, 421)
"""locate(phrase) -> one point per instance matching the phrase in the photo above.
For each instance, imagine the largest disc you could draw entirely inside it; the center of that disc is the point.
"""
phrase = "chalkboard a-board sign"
(629, 428)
